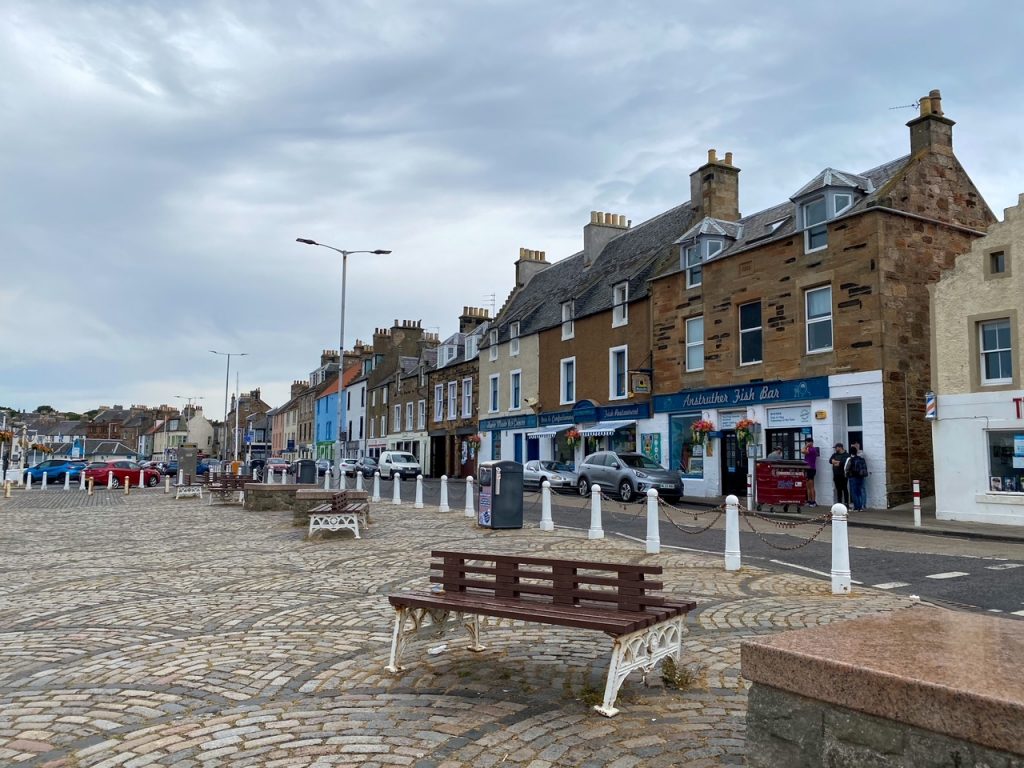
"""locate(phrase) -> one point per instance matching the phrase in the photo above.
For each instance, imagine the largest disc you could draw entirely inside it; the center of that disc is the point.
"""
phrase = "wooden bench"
(614, 598)
(344, 511)
(188, 488)
(227, 489)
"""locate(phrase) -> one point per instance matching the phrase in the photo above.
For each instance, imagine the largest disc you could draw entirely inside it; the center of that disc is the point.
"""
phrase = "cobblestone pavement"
(141, 631)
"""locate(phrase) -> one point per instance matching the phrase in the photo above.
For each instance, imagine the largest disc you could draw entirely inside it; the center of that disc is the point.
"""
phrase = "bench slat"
(582, 564)
(606, 581)
(508, 589)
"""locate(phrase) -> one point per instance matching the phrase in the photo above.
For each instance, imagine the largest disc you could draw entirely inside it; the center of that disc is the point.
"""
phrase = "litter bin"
(501, 494)
(305, 471)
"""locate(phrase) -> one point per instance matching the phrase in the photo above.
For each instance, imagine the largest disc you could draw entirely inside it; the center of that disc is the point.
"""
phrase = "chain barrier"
(787, 523)
(716, 511)
(639, 506)
(825, 520)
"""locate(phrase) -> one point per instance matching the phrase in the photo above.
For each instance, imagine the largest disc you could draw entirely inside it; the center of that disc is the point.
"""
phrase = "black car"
(367, 466)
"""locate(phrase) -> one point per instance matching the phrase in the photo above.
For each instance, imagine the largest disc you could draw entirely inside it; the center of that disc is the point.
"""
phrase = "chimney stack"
(601, 229)
(715, 188)
(931, 130)
(472, 317)
(528, 265)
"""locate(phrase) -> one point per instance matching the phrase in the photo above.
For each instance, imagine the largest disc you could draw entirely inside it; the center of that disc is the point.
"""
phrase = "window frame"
(494, 393)
(472, 346)
(808, 321)
(836, 210)
(620, 304)
(409, 415)
(515, 389)
(513, 339)
(982, 352)
(694, 269)
(568, 320)
(396, 424)
(438, 402)
(613, 374)
(758, 329)
(693, 344)
(453, 400)
(563, 363)
(810, 230)
(467, 398)
(421, 414)
(493, 350)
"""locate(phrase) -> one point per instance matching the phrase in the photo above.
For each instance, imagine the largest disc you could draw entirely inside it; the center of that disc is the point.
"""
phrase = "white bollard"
(653, 534)
(596, 531)
(342, 480)
(110, 479)
(270, 475)
(44, 481)
(181, 477)
(81, 480)
(359, 481)
(396, 489)
(28, 481)
(376, 487)
(142, 478)
(732, 533)
(254, 471)
(470, 511)
(327, 480)
(167, 483)
(419, 492)
(444, 494)
(917, 503)
(546, 523)
(840, 552)
(750, 485)
(67, 481)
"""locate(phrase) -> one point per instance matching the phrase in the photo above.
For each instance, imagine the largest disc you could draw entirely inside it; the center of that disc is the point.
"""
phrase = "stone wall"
(785, 730)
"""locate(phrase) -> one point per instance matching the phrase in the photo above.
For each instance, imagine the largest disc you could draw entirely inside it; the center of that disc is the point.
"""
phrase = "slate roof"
(480, 332)
(830, 177)
(709, 226)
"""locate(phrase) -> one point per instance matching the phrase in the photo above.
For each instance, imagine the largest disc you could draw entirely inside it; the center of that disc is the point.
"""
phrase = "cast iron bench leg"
(398, 641)
(642, 650)
(472, 624)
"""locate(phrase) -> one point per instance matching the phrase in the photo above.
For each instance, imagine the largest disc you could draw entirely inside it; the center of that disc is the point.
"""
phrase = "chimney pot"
(926, 105)
(936, 101)
(712, 156)
(728, 158)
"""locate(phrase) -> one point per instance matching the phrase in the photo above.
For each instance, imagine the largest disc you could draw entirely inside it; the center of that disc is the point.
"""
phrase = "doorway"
(517, 443)
(734, 465)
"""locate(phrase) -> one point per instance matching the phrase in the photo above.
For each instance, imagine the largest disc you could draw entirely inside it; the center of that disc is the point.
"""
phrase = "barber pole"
(917, 503)
(931, 409)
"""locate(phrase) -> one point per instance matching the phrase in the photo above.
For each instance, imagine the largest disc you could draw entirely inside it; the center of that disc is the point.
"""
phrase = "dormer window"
(620, 305)
(568, 325)
(815, 229)
(493, 355)
(471, 342)
(513, 344)
(695, 255)
(842, 202)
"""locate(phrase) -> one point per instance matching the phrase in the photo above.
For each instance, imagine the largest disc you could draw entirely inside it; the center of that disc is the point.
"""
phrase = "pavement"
(143, 631)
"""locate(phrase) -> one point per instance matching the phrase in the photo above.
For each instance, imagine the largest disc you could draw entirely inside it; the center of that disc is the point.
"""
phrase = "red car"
(123, 471)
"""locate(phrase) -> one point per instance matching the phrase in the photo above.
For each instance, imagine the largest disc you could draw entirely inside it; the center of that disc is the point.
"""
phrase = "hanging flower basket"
(699, 430)
(473, 443)
(41, 448)
(572, 437)
(745, 429)
(6, 436)
(474, 440)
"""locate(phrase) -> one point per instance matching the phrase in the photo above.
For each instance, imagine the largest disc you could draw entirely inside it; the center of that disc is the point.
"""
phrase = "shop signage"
(555, 417)
(931, 411)
(747, 394)
(821, 415)
(793, 416)
(586, 412)
(1019, 402)
(508, 422)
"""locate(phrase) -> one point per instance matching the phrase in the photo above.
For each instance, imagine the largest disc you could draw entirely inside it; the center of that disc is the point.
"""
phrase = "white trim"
(816, 321)
(569, 321)
(561, 380)
(438, 402)
(421, 415)
(689, 344)
(612, 352)
(512, 404)
(453, 400)
(467, 404)
(620, 307)
(807, 228)
(758, 328)
(513, 339)
(494, 393)
(983, 380)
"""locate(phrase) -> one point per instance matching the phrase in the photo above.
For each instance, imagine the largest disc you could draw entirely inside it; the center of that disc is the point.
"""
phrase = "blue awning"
(550, 431)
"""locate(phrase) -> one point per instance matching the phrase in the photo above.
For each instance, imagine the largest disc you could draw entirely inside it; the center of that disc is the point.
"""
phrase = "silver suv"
(627, 474)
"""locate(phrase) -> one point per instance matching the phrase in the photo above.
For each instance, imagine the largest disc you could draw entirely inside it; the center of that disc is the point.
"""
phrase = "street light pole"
(227, 379)
(341, 343)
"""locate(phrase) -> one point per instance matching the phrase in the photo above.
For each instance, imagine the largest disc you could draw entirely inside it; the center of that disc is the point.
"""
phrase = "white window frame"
(620, 304)
(515, 389)
(421, 420)
(568, 320)
(373, 399)
(759, 329)
(453, 400)
(397, 421)
(384, 425)
(493, 354)
(373, 427)
(565, 361)
(409, 416)
(471, 346)
(613, 353)
(693, 263)
(467, 398)
(494, 393)
(836, 210)
(513, 339)
(808, 321)
(438, 402)
(823, 199)
(985, 381)
(385, 390)
(691, 344)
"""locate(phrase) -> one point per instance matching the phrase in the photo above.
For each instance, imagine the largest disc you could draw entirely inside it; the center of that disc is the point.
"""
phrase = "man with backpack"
(856, 472)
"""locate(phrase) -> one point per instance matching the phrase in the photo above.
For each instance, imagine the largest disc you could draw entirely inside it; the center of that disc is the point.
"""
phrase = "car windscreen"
(404, 458)
(554, 466)
(370, 462)
(639, 462)
(96, 465)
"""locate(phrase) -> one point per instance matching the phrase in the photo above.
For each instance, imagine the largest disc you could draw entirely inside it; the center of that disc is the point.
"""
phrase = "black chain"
(717, 511)
(786, 523)
(757, 533)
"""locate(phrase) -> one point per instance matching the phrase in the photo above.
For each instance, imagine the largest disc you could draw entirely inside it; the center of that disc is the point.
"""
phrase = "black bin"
(501, 495)
(305, 471)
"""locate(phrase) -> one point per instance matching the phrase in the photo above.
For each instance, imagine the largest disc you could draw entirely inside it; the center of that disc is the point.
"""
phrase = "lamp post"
(341, 342)
(227, 379)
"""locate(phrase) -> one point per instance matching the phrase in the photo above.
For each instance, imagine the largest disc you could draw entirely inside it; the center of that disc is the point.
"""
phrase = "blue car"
(55, 469)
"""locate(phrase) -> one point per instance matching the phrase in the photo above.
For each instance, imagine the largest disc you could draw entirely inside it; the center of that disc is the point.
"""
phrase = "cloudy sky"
(158, 159)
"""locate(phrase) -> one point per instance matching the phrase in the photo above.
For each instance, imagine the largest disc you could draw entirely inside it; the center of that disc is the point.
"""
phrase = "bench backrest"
(614, 586)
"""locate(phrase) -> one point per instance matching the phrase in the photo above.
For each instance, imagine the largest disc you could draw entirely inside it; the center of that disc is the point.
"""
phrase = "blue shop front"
(567, 436)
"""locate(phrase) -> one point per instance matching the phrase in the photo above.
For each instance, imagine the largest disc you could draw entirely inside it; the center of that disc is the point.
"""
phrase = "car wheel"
(583, 486)
(115, 483)
(391, 474)
(152, 481)
(626, 491)
(541, 481)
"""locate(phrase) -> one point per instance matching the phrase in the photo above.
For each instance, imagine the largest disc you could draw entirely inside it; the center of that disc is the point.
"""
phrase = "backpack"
(858, 467)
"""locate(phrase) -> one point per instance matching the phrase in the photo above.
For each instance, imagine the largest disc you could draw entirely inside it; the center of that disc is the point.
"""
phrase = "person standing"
(838, 462)
(811, 454)
(856, 472)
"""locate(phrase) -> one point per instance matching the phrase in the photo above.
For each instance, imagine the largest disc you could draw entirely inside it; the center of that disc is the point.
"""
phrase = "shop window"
(1005, 455)
(818, 303)
(685, 455)
(751, 338)
(617, 365)
(815, 229)
(695, 344)
(496, 444)
(996, 352)
(567, 386)
(620, 304)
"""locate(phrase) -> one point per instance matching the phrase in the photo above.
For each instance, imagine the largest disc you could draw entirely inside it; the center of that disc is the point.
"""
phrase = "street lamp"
(227, 378)
(341, 349)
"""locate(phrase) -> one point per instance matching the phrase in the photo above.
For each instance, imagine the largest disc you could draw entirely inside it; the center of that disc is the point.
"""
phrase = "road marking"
(1004, 566)
(949, 575)
(891, 585)
(810, 570)
(995, 610)
(1018, 613)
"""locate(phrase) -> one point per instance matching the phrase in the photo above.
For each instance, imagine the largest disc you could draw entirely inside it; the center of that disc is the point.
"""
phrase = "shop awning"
(605, 428)
(551, 431)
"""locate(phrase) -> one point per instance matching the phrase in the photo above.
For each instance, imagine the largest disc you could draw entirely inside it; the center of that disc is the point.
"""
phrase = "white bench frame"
(334, 521)
(182, 491)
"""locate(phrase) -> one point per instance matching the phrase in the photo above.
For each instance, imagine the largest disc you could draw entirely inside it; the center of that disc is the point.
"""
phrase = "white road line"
(1004, 566)
(948, 575)
(810, 570)
(995, 610)
(891, 585)
(1018, 613)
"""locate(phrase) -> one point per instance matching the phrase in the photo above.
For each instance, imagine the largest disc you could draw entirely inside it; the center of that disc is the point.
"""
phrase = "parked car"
(55, 469)
(323, 466)
(123, 471)
(627, 474)
(367, 466)
(561, 476)
(349, 467)
(398, 463)
(277, 465)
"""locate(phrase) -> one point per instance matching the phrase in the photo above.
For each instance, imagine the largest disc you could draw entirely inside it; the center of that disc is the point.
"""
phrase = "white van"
(401, 463)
